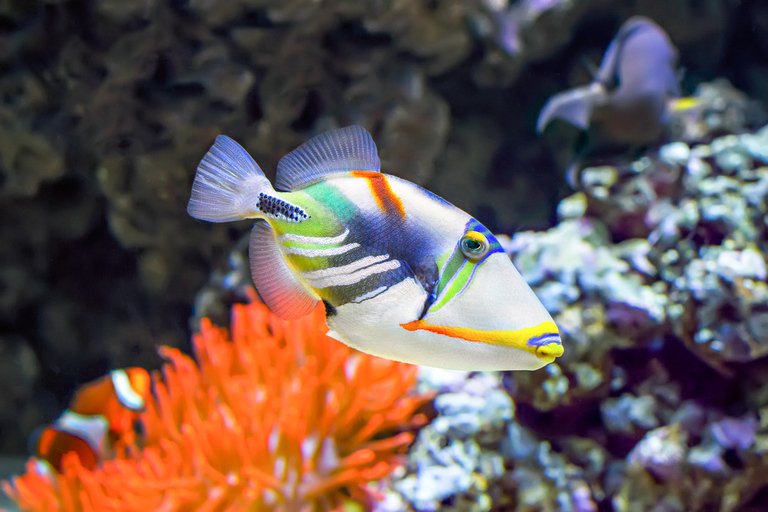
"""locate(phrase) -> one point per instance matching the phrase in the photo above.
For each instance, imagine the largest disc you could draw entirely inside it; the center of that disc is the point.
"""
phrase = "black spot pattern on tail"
(280, 209)
(329, 309)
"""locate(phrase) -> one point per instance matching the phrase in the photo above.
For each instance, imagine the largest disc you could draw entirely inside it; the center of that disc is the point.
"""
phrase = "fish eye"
(474, 245)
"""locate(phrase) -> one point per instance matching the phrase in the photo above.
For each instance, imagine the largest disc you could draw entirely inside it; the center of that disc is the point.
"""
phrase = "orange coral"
(280, 417)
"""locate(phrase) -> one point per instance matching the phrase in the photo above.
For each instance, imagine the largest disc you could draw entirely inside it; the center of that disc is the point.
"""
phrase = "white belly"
(373, 326)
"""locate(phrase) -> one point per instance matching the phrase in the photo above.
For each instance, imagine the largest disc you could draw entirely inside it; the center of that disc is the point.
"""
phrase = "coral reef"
(656, 271)
(477, 456)
(272, 415)
(106, 108)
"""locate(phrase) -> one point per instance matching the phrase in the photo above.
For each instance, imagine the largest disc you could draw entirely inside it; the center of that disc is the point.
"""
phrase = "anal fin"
(277, 284)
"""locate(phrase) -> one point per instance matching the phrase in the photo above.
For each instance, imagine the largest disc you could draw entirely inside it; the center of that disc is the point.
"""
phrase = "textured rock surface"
(659, 402)
(107, 106)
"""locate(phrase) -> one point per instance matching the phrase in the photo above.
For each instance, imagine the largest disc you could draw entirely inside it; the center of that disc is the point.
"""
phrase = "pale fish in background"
(626, 105)
(403, 274)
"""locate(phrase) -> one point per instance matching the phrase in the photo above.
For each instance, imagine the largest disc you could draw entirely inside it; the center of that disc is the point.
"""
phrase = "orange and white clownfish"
(101, 414)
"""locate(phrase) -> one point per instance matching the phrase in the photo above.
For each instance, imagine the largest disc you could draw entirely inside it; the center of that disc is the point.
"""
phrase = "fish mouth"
(542, 340)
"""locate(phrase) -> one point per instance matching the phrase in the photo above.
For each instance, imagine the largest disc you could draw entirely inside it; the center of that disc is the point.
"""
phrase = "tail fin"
(227, 184)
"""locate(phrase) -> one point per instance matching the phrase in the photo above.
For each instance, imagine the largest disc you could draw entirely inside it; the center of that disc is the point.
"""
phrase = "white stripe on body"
(315, 253)
(315, 240)
(354, 277)
(126, 395)
(344, 269)
(371, 294)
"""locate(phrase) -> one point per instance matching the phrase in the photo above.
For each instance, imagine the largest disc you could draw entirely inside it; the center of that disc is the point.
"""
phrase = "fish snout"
(548, 353)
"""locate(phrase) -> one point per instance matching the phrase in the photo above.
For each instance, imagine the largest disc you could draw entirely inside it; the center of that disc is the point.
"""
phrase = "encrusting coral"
(274, 416)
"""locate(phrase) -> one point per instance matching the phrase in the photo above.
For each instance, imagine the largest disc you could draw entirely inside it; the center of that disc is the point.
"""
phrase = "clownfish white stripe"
(371, 294)
(355, 277)
(315, 253)
(127, 396)
(90, 429)
(344, 269)
(315, 240)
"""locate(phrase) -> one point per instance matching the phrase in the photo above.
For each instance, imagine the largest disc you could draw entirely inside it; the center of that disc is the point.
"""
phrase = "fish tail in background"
(227, 184)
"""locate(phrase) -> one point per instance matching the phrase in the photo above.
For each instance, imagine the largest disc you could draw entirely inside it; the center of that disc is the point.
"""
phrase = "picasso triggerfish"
(403, 274)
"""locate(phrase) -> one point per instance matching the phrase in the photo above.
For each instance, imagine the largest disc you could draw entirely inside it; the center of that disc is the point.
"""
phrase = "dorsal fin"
(346, 149)
(276, 283)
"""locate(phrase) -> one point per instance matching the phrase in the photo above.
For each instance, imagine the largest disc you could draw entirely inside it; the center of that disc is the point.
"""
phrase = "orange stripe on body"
(382, 192)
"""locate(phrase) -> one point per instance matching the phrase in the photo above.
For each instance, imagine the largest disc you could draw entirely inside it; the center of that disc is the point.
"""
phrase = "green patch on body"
(463, 275)
(449, 269)
(329, 214)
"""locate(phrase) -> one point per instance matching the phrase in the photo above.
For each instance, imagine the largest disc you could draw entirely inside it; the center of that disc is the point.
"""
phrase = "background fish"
(85, 436)
(403, 274)
(102, 414)
(626, 104)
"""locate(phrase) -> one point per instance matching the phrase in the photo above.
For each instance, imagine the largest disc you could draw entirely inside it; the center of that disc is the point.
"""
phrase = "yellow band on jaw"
(516, 339)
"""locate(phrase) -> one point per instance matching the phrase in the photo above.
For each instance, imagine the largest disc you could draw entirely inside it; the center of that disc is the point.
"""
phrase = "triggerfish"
(403, 274)
(101, 414)
(626, 105)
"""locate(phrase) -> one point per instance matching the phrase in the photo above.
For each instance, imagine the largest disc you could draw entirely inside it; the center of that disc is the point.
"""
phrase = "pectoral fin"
(275, 280)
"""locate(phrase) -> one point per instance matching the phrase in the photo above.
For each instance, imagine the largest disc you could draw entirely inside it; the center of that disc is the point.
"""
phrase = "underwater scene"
(384, 255)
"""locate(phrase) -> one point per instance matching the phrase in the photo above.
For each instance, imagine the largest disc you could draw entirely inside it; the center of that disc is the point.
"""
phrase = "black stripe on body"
(377, 236)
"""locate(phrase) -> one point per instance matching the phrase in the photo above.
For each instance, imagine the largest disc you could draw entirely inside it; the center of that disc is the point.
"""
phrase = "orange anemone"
(274, 416)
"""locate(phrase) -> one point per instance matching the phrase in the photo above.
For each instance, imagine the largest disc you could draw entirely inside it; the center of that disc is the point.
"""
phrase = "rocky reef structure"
(107, 106)
(656, 274)
(106, 109)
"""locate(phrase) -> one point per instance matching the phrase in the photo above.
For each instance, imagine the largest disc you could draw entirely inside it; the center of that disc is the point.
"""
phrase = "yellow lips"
(517, 339)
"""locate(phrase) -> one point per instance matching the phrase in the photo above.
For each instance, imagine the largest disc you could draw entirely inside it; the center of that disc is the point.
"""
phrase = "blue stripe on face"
(545, 339)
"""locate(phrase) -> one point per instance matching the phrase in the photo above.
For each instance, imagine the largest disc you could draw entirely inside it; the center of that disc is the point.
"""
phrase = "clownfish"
(101, 414)
(403, 274)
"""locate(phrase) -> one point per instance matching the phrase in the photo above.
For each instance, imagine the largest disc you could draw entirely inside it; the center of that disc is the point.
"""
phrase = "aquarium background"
(655, 270)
